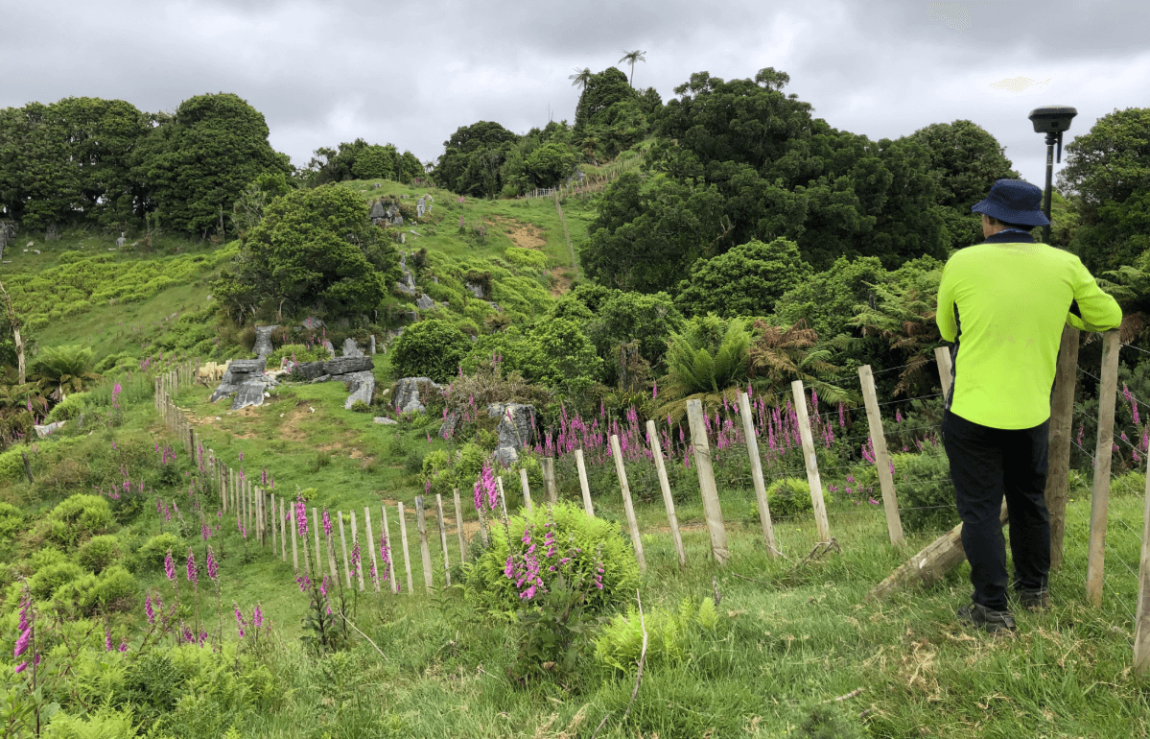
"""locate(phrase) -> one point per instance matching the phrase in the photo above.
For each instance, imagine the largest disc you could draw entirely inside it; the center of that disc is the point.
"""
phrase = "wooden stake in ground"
(1100, 497)
(482, 525)
(502, 497)
(294, 550)
(711, 508)
(665, 486)
(812, 461)
(316, 525)
(1061, 420)
(549, 485)
(283, 530)
(371, 547)
(343, 546)
(586, 490)
(390, 552)
(359, 558)
(628, 509)
(443, 538)
(882, 457)
(424, 549)
(331, 555)
(406, 554)
(526, 490)
(930, 565)
(748, 420)
(273, 525)
(1142, 620)
(459, 527)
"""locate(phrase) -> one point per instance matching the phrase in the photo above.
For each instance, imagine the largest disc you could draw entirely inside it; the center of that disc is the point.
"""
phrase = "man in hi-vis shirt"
(1002, 304)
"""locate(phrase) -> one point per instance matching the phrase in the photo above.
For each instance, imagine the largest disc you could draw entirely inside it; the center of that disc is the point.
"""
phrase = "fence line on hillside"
(251, 503)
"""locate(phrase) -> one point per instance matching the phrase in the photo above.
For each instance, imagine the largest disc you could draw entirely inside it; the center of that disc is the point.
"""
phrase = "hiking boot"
(980, 616)
(1034, 600)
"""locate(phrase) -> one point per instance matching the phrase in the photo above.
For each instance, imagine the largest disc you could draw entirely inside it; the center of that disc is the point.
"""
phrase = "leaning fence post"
(390, 552)
(632, 524)
(343, 546)
(371, 546)
(1142, 621)
(549, 486)
(406, 554)
(711, 508)
(1061, 421)
(294, 550)
(443, 538)
(881, 457)
(354, 547)
(665, 487)
(1100, 497)
(812, 461)
(748, 420)
(583, 486)
(526, 490)
(424, 549)
(459, 527)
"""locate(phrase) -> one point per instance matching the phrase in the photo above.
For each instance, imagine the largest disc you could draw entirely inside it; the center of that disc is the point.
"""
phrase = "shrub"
(99, 552)
(103, 724)
(155, 549)
(360, 407)
(78, 517)
(69, 408)
(429, 349)
(593, 543)
(925, 492)
(529, 260)
(300, 352)
(12, 464)
(1132, 483)
(114, 589)
(789, 496)
(620, 642)
(11, 520)
(49, 579)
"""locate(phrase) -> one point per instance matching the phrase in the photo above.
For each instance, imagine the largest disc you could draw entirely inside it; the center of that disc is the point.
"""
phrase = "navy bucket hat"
(1013, 201)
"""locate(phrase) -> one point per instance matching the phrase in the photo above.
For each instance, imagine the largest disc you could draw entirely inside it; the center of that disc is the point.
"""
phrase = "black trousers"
(985, 465)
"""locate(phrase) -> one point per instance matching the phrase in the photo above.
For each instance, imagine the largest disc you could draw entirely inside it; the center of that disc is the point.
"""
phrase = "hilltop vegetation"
(722, 240)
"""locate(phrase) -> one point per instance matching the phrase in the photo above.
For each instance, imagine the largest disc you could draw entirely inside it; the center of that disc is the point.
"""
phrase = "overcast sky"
(410, 73)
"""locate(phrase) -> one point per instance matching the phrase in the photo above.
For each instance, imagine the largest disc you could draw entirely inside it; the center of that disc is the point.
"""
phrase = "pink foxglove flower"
(193, 571)
(170, 567)
(213, 566)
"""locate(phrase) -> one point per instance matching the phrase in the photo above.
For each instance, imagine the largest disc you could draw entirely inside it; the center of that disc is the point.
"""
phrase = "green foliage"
(313, 247)
(599, 544)
(525, 260)
(68, 158)
(77, 518)
(196, 163)
(151, 556)
(789, 496)
(360, 407)
(707, 358)
(300, 352)
(114, 589)
(827, 300)
(620, 642)
(562, 357)
(65, 369)
(1131, 483)
(360, 160)
(11, 521)
(102, 724)
(473, 157)
(625, 317)
(99, 552)
(432, 348)
(925, 491)
(745, 281)
(50, 578)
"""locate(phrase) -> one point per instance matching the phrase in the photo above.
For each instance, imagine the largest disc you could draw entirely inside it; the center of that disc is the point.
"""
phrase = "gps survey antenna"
(1052, 121)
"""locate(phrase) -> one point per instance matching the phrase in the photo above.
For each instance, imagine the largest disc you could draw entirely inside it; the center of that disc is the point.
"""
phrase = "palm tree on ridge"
(580, 78)
(630, 57)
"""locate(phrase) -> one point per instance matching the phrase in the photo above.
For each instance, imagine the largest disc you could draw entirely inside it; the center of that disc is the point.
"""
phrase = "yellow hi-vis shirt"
(1002, 303)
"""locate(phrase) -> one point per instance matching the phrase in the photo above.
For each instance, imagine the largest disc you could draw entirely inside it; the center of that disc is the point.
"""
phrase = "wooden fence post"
(665, 487)
(294, 550)
(748, 420)
(549, 487)
(711, 508)
(443, 538)
(273, 525)
(459, 527)
(502, 497)
(881, 457)
(354, 546)
(424, 549)
(482, 525)
(371, 546)
(343, 546)
(632, 524)
(583, 486)
(1061, 421)
(1100, 497)
(316, 524)
(406, 555)
(1142, 620)
(526, 491)
(283, 530)
(390, 551)
(812, 462)
(331, 557)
